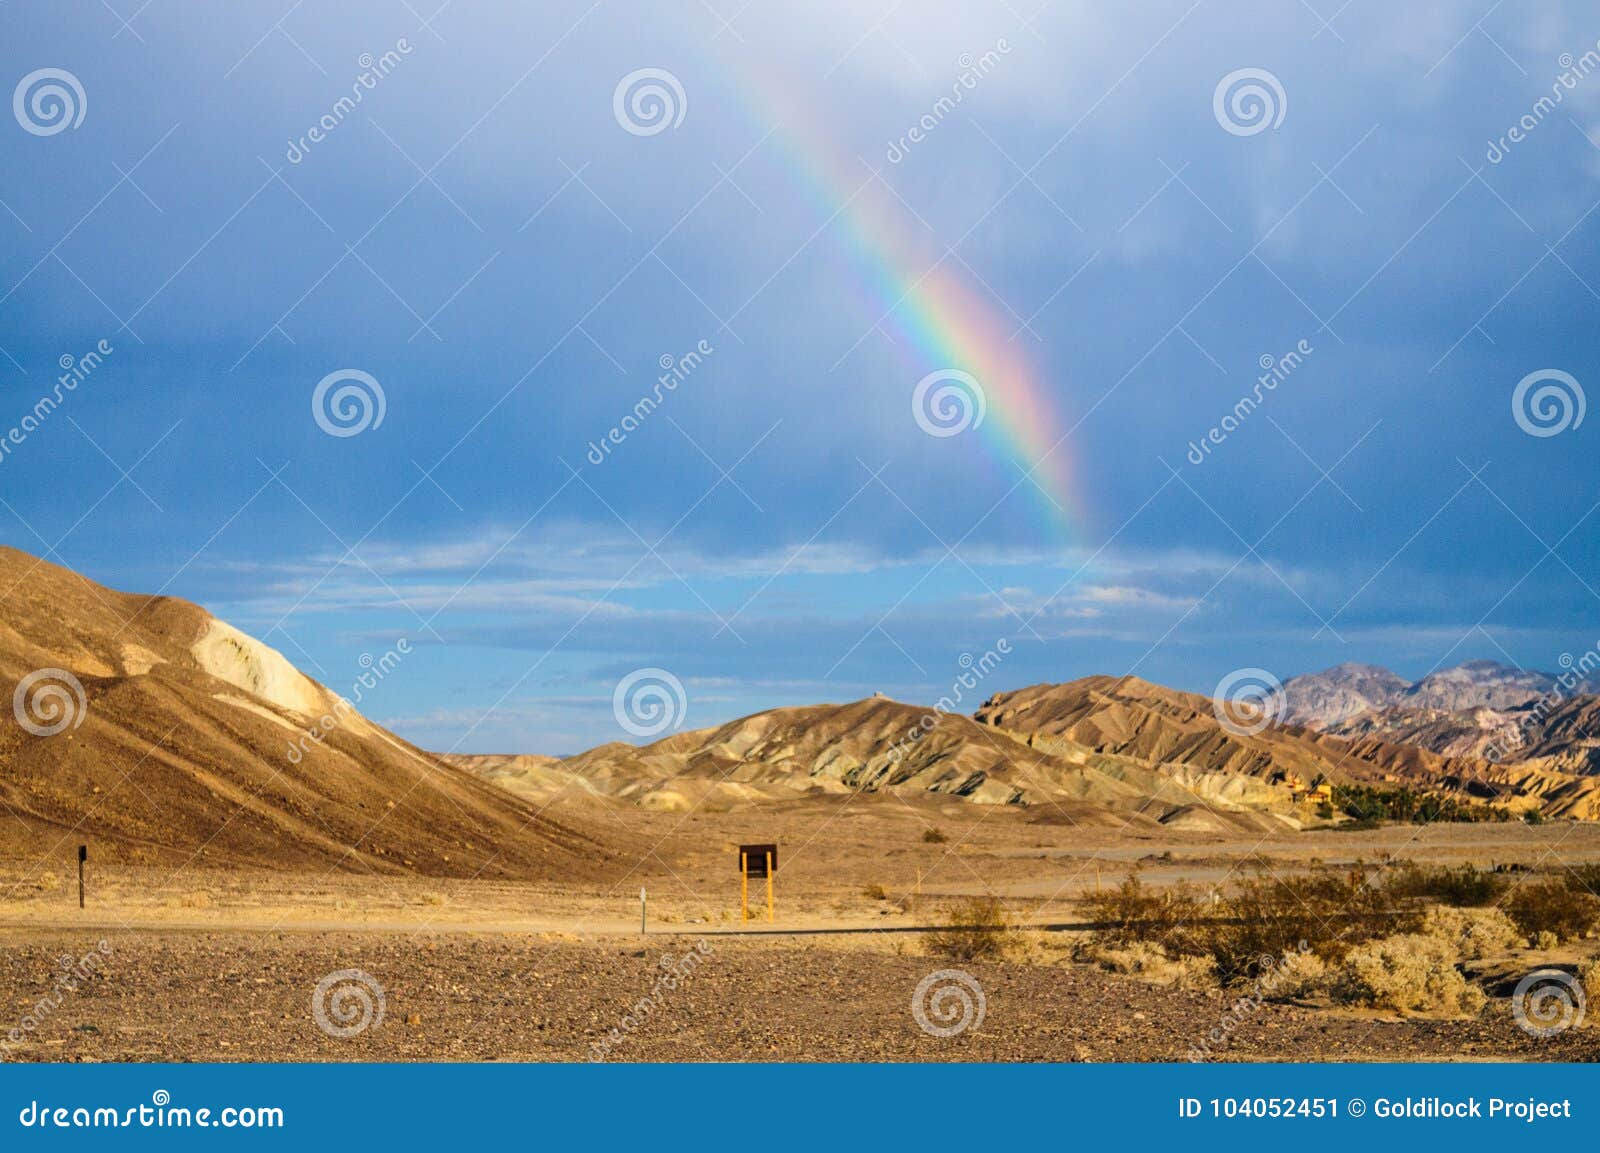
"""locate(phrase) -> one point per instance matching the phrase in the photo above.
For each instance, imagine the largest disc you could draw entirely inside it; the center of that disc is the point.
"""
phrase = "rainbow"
(936, 318)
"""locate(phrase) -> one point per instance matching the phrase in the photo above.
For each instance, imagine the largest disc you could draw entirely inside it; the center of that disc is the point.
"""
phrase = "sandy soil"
(832, 851)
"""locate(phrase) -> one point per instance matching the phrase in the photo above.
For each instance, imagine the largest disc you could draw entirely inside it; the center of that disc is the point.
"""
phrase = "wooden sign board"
(753, 859)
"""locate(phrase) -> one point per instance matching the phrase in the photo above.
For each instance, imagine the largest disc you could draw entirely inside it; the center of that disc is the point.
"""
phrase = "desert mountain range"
(1321, 700)
(1100, 749)
(1480, 709)
(172, 737)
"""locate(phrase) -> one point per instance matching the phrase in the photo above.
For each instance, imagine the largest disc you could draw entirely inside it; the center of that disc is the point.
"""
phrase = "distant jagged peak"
(1341, 694)
(1334, 695)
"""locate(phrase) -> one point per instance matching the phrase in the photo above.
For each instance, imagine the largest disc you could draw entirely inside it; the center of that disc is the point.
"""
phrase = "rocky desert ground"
(231, 996)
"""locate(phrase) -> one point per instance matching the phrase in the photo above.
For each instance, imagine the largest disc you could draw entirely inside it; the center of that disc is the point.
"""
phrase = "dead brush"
(1553, 906)
(1464, 887)
(975, 929)
(1255, 921)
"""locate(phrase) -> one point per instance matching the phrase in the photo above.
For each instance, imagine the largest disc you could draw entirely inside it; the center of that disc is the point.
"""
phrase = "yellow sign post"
(757, 861)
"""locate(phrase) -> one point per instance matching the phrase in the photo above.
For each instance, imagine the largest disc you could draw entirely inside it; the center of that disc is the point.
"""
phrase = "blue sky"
(485, 239)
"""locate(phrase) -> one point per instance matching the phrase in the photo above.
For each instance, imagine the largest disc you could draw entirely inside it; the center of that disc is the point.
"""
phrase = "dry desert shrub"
(875, 893)
(1297, 975)
(198, 899)
(1553, 906)
(1134, 957)
(1246, 929)
(1589, 974)
(1462, 887)
(1543, 941)
(1374, 972)
(1474, 932)
(1409, 973)
(47, 883)
(975, 929)
(1131, 913)
(1151, 962)
(1034, 947)
(433, 898)
(1271, 916)
(1584, 878)
(1250, 926)
(933, 837)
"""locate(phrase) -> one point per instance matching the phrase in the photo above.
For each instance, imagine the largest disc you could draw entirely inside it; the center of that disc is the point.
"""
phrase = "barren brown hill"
(881, 746)
(1566, 736)
(158, 734)
(871, 745)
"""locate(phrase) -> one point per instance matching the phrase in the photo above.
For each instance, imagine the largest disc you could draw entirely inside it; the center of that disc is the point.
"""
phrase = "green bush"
(1369, 805)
